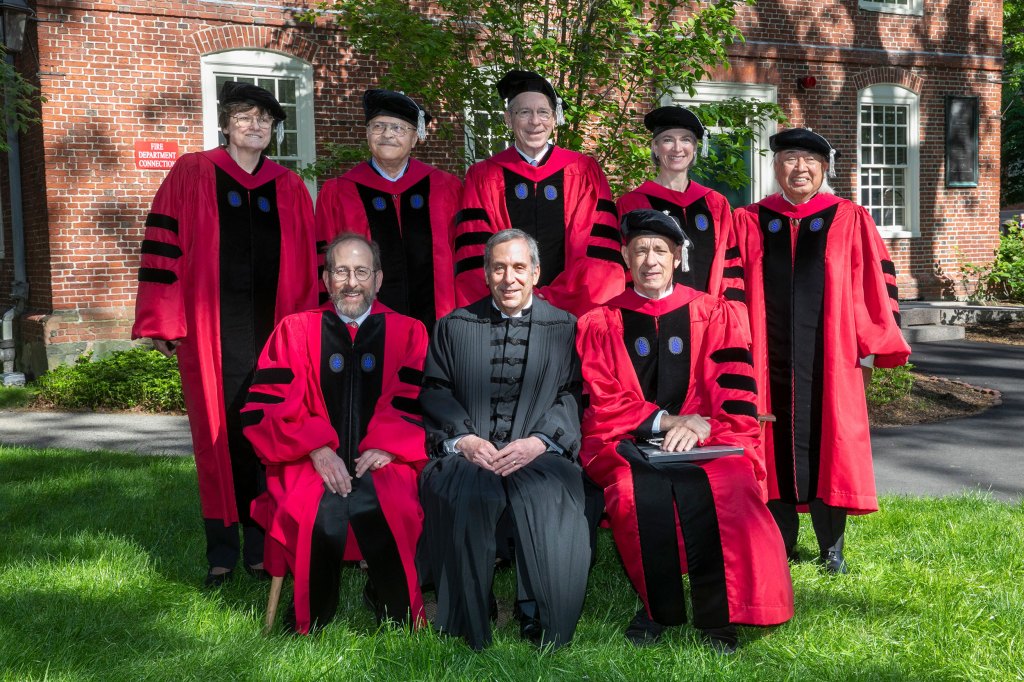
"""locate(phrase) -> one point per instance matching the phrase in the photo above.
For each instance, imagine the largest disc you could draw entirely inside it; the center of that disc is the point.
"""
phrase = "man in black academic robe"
(500, 410)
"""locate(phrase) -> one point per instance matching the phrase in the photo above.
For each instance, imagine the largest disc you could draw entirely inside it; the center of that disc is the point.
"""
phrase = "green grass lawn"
(101, 562)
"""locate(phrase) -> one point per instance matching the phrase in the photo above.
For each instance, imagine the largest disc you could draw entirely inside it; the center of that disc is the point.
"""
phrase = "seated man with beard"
(332, 412)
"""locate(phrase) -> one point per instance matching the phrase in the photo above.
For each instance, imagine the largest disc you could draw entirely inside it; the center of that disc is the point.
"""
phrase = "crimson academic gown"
(226, 256)
(411, 220)
(687, 354)
(315, 386)
(820, 289)
(706, 218)
(565, 204)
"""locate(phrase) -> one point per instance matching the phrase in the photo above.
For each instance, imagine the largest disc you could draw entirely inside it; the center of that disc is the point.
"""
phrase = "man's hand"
(167, 347)
(518, 454)
(478, 451)
(332, 469)
(371, 460)
(683, 431)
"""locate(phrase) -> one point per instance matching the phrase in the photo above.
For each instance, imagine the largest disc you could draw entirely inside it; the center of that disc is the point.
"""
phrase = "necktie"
(353, 328)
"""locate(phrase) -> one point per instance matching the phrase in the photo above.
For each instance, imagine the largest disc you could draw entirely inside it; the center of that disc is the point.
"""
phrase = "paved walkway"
(984, 452)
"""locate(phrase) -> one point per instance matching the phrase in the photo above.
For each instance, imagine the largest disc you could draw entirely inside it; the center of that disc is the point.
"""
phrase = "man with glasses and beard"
(333, 414)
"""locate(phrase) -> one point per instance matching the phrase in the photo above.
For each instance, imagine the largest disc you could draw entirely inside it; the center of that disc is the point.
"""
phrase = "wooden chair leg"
(275, 597)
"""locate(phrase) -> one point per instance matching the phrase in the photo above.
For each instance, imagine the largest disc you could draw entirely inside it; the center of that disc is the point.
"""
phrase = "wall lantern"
(13, 16)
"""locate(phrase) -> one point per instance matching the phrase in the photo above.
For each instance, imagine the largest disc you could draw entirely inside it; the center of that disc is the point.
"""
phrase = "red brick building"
(131, 82)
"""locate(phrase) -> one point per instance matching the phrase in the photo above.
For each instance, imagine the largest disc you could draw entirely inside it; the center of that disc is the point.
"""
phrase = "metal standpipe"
(19, 287)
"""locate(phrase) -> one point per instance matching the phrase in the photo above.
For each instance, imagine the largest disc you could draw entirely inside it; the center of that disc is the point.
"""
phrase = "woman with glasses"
(407, 207)
(229, 251)
(704, 214)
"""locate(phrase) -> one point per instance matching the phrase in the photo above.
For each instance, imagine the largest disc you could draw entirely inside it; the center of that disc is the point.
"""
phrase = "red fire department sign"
(150, 155)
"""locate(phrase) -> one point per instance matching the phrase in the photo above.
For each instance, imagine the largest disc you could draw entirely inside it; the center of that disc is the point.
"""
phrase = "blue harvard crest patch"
(379, 203)
(368, 362)
(336, 362)
(643, 347)
(675, 345)
(702, 222)
(416, 201)
(522, 191)
(817, 224)
(774, 225)
(263, 204)
(234, 198)
(550, 192)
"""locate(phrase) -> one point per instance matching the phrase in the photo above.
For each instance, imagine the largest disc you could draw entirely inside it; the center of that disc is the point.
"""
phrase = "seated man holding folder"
(655, 359)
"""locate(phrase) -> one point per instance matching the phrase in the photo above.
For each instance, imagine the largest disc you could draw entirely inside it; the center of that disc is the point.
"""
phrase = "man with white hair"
(559, 197)
(821, 293)
(404, 205)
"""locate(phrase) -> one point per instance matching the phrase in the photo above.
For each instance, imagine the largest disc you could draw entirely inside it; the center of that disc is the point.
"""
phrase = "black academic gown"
(463, 502)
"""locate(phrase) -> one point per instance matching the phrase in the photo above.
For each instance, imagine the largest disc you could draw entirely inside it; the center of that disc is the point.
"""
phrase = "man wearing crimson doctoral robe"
(655, 359)
(407, 207)
(559, 197)
(502, 425)
(704, 214)
(333, 414)
(821, 293)
(229, 251)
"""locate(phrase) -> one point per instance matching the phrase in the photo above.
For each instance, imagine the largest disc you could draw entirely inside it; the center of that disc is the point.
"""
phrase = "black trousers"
(829, 523)
(463, 503)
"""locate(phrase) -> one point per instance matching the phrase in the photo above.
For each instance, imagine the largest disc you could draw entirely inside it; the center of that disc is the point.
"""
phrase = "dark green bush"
(889, 385)
(133, 379)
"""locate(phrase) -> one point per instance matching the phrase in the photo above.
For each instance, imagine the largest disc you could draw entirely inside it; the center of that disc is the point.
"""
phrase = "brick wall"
(116, 73)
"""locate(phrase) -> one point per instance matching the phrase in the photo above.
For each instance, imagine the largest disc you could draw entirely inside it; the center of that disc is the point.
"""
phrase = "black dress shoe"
(257, 573)
(643, 631)
(530, 630)
(217, 579)
(722, 641)
(833, 562)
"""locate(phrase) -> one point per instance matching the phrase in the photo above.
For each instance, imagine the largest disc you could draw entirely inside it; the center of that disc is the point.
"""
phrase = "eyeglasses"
(810, 160)
(396, 129)
(248, 121)
(543, 115)
(362, 274)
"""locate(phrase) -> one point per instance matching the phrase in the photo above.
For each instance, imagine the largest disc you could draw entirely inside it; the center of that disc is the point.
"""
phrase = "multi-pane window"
(887, 156)
(894, 6)
(485, 133)
(290, 80)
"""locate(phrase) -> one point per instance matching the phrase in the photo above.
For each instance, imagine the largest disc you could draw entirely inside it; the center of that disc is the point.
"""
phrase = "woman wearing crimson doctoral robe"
(318, 386)
(703, 213)
(644, 360)
(229, 251)
(821, 293)
(411, 216)
(559, 197)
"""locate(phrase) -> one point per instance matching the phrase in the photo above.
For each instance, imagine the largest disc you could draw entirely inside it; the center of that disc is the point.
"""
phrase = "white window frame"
(913, 7)
(888, 94)
(708, 92)
(261, 63)
(490, 74)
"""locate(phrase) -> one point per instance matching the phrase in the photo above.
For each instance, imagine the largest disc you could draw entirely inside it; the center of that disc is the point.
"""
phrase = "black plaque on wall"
(961, 141)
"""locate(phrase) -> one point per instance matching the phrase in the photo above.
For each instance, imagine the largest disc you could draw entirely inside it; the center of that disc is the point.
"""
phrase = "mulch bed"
(934, 399)
(997, 332)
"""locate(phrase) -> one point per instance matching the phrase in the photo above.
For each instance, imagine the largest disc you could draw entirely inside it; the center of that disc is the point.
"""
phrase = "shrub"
(133, 379)
(1007, 274)
(889, 385)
